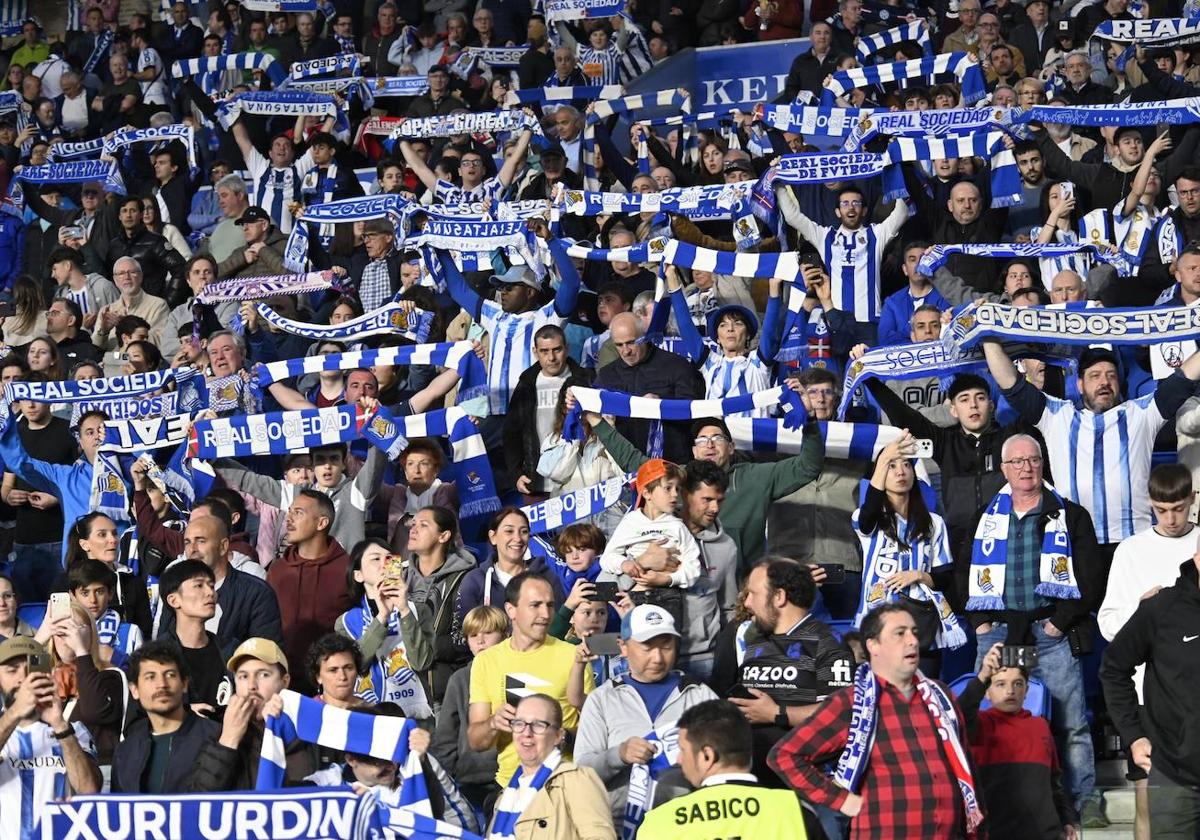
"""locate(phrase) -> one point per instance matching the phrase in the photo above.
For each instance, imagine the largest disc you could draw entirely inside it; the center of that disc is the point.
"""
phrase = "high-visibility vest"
(727, 812)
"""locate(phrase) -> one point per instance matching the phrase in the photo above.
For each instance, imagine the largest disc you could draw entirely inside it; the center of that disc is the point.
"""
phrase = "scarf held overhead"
(390, 319)
(274, 433)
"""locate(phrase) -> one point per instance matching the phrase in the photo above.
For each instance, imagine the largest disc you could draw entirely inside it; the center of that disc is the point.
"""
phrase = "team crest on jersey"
(383, 427)
(862, 239)
(984, 579)
(1172, 354)
(876, 593)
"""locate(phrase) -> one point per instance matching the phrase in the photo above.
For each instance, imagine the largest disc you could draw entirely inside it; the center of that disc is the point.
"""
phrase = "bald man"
(246, 606)
(1067, 287)
(644, 370)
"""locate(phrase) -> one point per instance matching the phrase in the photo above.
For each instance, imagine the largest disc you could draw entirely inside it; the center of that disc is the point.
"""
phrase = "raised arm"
(418, 166)
(433, 393)
(769, 334)
(512, 164)
(1161, 143)
(459, 289)
(693, 343)
(999, 364)
(567, 295)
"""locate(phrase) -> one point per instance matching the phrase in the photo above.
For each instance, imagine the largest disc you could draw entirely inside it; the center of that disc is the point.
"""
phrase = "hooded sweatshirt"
(312, 594)
(482, 586)
(707, 603)
(1162, 634)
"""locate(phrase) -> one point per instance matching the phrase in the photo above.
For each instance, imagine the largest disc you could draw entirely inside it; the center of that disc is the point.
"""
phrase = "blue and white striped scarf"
(605, 108)
(1162, 32)
(563, 93)
(379, 736)
(516, 797)
(643, 779)
(961, 64)
(556, 10)
(1149, 114)
(258, 288)
(499, 57)
(110, 494)
(277, 103)
(297, 812)
(103, 42)
(75, 172)
(474, 123)
(459, 355)
(917, 30)
(835, 121)
(129, 408)
(82, 149)
(390, 319)
(133, 437)
(470, 468)
(113, 387)
(843, 441)
(405, 822)
(291, 6)
(245, 61)
(643, 252)
(273, 433)
(937, 256)
(569, 508)
(127, 137)
(382, 87)
(1071, 326)
(714, 201)
(469, 235)
(989, 555)
(324, 66)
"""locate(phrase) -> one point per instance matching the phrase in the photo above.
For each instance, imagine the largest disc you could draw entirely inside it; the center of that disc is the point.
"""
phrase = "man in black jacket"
(162, 265)
(1161, 738)
(1013, 536)
(172, 749)
(809, 69)
(644, 370)
(533, 406)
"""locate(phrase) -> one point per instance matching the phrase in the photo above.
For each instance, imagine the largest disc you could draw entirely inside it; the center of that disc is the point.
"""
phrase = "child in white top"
(653, 519)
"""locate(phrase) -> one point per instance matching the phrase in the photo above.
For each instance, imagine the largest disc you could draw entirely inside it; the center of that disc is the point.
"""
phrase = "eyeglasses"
(539, 727)
(818, 392)
(1188, 192)
(853, 202)
(710, 440)
(1022, 463)
(470, 163)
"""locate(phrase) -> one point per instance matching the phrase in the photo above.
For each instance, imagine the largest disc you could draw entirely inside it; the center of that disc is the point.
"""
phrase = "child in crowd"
(579, 547)
(91, 583)
(483, 627)
(653, 520)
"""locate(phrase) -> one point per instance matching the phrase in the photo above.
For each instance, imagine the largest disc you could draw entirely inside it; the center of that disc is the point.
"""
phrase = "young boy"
(91, 583)
(1016, 756)
(653, 519)
(578, 545)
(483, 627)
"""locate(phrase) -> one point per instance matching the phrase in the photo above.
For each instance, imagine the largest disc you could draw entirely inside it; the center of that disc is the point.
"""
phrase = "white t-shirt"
(154, 92)
(1140, 563)
(547, 389)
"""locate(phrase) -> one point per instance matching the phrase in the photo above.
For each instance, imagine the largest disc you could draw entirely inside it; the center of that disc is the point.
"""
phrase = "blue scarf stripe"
(246, 61)
(961, 64)
(917, 30)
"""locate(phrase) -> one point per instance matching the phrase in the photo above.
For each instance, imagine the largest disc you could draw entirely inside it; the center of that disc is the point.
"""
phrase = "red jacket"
(311, 594)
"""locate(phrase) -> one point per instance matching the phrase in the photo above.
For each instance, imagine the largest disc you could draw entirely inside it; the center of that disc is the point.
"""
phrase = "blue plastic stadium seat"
(32, 613)
(1037, 700)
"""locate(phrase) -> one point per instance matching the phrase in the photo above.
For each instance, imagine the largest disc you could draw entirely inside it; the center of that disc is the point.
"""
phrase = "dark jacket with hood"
(248, 610)
(522, 448)
(483, 586)
(198, 764)
(435, 598)
(1162, 634)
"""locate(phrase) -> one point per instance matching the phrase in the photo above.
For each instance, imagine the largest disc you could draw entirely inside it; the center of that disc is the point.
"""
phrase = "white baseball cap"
(645, 622)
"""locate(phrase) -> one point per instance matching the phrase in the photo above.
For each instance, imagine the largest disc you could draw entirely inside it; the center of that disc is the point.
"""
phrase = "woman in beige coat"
(540, 805)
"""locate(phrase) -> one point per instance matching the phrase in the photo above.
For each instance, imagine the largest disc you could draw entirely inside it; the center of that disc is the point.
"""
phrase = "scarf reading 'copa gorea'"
(459, 355)
(472, 123)
(863, 723)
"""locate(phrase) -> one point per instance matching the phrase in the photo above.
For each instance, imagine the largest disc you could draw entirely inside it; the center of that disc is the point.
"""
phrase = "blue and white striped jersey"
(32, 773)
(724, 377)
(491, 188)
(1099, 459)
(852, 258)
(511, 349)
(602, 67)
(274, 189)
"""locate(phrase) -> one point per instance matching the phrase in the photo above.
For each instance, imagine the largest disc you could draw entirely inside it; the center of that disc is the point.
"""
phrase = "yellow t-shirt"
(501, 673)
(725, 812)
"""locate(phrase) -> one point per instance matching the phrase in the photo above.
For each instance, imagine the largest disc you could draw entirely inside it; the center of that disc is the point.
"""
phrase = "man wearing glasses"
(852, 252)
(474, 183)
(1032, 574)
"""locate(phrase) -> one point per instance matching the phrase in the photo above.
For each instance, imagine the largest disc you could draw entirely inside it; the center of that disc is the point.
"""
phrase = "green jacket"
(753, 487)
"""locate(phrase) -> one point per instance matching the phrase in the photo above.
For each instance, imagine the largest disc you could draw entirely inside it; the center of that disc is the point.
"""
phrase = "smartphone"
(38, 663)
(924, 448)
(1019, 656)
(1066, 190)
(834, 573)
(394, 566)
(60, 606)
(73, 232)
(606, 591)
(604, 644)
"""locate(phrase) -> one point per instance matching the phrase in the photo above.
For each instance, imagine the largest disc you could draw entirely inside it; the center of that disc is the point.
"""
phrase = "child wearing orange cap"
(653, 519)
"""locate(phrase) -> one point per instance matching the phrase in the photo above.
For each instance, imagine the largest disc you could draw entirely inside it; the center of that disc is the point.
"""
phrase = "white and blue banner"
(273, 433)
(569, 508)
(714, 201)
(126, 137)
(473, 123)
(325, 66)
(295, 813)
(556, 10)
(260, 288)
(382, 87)
(277, 103)
(1161, 32)
(389, 319)
(75, 172)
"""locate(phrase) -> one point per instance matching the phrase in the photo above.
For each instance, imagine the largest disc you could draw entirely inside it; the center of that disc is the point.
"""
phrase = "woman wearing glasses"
(535, 802)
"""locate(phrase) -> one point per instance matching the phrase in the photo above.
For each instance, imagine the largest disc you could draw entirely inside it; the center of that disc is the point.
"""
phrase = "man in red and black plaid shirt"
(909, 789)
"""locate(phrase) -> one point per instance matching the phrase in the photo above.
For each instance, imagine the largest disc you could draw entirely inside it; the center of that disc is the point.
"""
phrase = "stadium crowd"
(324, 325)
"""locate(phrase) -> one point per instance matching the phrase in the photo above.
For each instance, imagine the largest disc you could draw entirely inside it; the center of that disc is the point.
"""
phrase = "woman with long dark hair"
(509, 536)
(97, 536)
(906, 552)
(29, 313)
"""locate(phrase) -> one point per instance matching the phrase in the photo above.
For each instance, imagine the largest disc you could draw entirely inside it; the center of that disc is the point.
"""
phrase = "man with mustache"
(172, 749)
